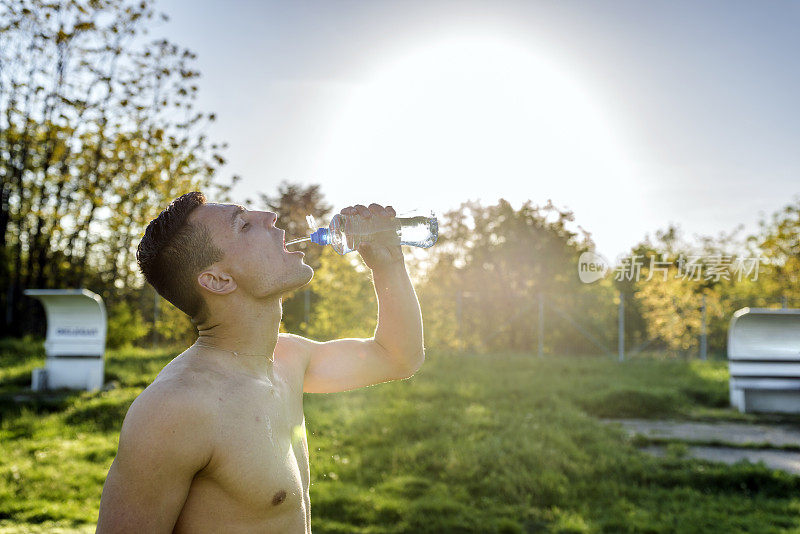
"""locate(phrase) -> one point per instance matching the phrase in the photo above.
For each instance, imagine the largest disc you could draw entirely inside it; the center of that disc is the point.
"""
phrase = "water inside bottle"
(349, 231)
(419, 231)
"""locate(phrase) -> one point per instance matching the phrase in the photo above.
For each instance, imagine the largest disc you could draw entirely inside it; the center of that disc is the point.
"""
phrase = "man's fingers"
(374, 210)
(377, 210)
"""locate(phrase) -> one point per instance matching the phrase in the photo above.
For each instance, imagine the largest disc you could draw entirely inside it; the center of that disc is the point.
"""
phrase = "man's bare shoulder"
(171, 404)
(292, 347)
(180, 396)
(292, 343)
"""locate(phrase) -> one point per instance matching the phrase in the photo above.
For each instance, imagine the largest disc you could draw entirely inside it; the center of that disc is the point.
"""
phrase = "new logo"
(591, 267)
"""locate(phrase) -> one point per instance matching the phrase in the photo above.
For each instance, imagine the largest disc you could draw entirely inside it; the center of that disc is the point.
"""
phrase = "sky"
(633, 115)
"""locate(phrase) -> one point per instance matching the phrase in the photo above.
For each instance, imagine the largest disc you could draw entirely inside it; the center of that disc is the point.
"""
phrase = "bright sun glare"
(480, 118)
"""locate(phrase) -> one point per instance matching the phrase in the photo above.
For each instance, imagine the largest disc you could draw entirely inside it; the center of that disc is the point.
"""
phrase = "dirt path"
(738, 434)
(733, 433)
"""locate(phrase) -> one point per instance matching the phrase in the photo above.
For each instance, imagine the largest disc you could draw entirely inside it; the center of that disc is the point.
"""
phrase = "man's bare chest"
(261, 454)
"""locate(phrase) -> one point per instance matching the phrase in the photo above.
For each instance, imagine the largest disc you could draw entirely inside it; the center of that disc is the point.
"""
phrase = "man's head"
(194, 253)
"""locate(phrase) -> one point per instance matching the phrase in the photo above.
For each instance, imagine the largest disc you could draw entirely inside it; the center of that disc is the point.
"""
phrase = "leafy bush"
(174, 327)
(125, 325)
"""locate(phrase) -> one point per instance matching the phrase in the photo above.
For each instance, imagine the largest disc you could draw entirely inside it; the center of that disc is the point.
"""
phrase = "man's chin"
(302, 279)
(309, 274)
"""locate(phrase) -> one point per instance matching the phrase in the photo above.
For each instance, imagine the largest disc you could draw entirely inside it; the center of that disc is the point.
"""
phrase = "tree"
(293, 202)
(346, 305)
(778, 240)
(670, 307)
(97, 133)
(490, 267)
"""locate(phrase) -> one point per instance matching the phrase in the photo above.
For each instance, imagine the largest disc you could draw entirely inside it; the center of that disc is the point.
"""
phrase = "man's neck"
(247, 328)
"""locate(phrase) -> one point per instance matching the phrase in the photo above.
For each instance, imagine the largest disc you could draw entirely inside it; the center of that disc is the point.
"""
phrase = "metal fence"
(620, 335)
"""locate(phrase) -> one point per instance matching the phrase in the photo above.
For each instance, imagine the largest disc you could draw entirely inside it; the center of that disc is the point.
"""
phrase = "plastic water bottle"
(346, 232)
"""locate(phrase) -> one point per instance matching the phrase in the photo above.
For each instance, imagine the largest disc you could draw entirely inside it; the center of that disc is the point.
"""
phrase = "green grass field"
(499, 443)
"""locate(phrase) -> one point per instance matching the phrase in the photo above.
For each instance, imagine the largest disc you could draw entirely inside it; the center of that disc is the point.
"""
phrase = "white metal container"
(76, 339)
(764, 360)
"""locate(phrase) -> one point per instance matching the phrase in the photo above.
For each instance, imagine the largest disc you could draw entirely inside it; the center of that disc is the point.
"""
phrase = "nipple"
(279, 498)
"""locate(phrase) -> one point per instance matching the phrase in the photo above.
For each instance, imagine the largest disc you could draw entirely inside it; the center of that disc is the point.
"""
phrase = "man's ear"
(218, 282)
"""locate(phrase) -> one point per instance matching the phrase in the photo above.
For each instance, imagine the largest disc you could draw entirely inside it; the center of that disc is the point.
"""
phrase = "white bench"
(76, 339)
(764, 360)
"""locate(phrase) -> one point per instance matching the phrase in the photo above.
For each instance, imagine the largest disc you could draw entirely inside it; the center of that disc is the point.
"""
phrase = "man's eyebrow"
(238, 210)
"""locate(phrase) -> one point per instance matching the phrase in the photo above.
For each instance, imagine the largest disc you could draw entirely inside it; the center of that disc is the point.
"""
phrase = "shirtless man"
(217, 443)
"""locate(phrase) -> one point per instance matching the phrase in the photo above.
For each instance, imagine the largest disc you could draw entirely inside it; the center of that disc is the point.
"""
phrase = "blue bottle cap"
(321, 237)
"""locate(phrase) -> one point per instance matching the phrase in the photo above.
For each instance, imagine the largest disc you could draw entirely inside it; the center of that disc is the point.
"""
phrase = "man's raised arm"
(165, 440)
(396, 351)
